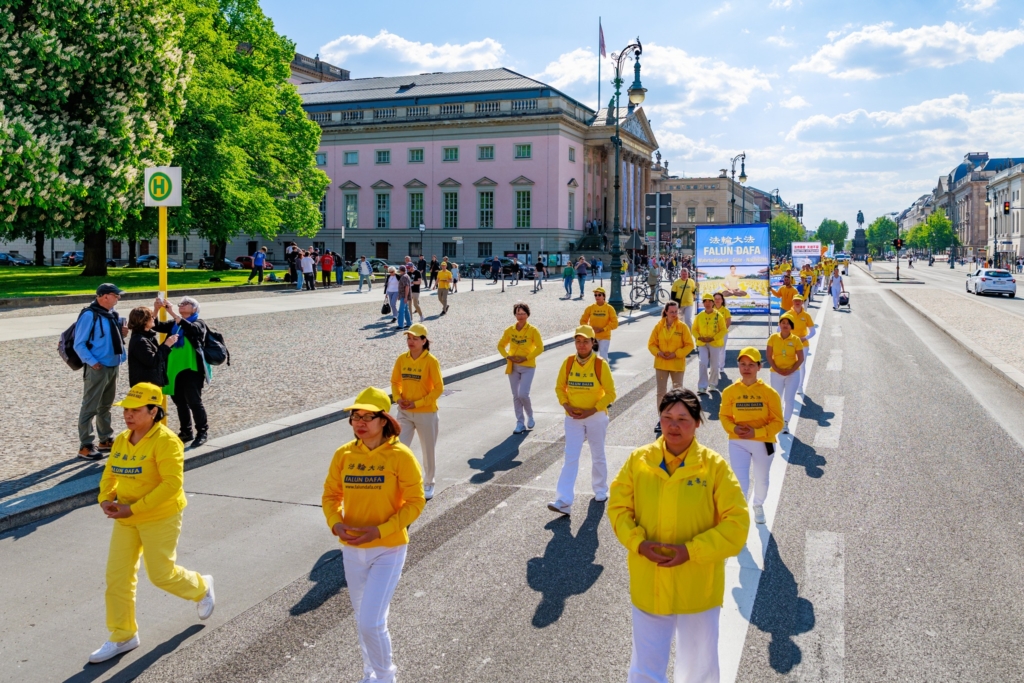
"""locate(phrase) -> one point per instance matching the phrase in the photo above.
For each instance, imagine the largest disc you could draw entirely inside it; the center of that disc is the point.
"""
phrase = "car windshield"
(997, 273)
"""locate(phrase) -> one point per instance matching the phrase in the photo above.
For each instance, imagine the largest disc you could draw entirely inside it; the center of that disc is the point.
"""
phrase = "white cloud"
(795, 102)
(875, 51)
(393, 53)
(570, 67)
(785, 4)
(977, 5)
(779, 41)
(727, 6)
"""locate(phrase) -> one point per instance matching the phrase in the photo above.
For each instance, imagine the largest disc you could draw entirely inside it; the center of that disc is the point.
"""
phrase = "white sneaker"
(530, 424)
(758, 514)
(520, 428)
(600, 498)
(560, 507)
(428, 492)
(111, 649)
(206, 605)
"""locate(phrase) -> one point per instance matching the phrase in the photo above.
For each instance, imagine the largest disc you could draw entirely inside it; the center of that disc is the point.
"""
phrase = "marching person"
(187, 371)
(521, 344)
(601, 316)
(585, 388)
(373, 492)
(803, 327)
(141, 490)
(785, 293)
(682, 293)
(416, 384)
(836, 287)
(679, 510)
(786, 358)
(670, 342)
(99, 342)
(751, 414)
(443, 282)
(709, 329)
(724, 310)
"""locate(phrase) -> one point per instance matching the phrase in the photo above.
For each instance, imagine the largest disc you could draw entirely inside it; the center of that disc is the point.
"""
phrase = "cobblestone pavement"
(282, 364)
(129, 302)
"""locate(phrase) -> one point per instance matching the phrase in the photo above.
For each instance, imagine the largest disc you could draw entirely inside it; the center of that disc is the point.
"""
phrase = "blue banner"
(734, 261)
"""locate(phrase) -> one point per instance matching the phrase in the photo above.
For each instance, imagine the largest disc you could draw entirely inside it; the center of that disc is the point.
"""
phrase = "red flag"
(600, 31)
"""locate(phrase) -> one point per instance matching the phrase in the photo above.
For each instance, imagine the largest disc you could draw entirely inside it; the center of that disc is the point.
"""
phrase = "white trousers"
(592, 429)
(426, 425)
(372, 575)
(686, 313)
(696, 637)
(521, 379)
(604, 346)
(742, 454)
(785, 386)
(712, 358)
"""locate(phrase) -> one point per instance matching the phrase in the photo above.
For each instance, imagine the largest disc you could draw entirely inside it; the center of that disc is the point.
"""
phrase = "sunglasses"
(364, 417)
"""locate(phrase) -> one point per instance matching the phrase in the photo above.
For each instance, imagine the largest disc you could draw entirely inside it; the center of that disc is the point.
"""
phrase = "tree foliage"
(833, 232)
(89, 92)
(880, 234)
(784, 231)
(935, 234)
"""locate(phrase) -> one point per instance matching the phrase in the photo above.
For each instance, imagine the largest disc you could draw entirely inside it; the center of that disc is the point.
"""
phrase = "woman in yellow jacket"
(679, 510)
(416, 384)
(520, 345)
(724, 310)
(751, 414)
(601, 316)
(786, 358)
(670, 342)
(585, 388)
(373, 492)
(709, 330)
(141, 490)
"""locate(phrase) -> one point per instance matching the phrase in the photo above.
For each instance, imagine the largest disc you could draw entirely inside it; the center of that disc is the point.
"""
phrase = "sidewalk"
(885, 271)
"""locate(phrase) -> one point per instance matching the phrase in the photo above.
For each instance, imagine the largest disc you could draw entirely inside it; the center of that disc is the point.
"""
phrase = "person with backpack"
(187, 369)
(99, 337)
(585, 389)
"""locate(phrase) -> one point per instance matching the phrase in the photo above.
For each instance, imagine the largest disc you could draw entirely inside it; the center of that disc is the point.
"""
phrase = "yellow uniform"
(525, 342)
(579, 385)
(784, 350)
(381, 488)
(709, 325)
(444, 279)
(418, 380)
(700, 505)
(757, 406)
(149, 476)
(675, 339)
(603, 316)
(725, 312)
(804, 324)
(785, 294)
(683, 291)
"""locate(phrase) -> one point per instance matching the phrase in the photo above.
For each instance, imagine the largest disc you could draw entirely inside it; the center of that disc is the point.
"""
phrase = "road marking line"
(835, 360)
(823, 648)
(828, 436)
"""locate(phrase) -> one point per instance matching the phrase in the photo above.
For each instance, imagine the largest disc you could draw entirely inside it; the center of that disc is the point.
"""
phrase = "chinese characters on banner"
(735, 260)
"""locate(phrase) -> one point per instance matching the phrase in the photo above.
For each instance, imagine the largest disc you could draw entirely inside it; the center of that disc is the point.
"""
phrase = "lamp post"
(742, 156)
(423, 249)
(636, 95)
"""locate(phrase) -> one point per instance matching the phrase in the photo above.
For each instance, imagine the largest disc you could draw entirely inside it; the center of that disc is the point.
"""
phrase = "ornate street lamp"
(636, 95)
(742, 156)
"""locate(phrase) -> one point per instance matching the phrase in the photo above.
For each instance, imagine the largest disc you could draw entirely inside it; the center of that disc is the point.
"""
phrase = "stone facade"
(1006, 186)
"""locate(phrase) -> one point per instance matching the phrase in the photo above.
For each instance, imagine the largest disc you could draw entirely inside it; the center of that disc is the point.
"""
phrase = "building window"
(418, 111)
(323, 212)
(485, 153)
(320, 117)
(415, 156)
(383, 156)
(524, 151)
(572, 210)
(486, 202)
(524, 105)
(172, 247)
(572, 154)
(449, 249)
(483, 249)
(352, 115)
(711, 214)
(415, 209)
(522, 208)
(450, 209)
(389, 113)
(415, 249)
(451, 109)
(451, 153)
(352, 211)
(383, 210)
(321, 159)
(691, 214)
(522, 247)
(487, 107)
(351, 158)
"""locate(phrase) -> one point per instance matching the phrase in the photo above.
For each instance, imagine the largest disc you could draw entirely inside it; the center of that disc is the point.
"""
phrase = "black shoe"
(200, 439)
(89, 452)
(186, 436)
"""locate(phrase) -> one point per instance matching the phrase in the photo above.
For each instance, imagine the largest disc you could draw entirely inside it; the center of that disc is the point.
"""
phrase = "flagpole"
(599, 31)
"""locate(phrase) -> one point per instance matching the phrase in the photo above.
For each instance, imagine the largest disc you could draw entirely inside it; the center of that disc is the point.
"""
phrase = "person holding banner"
(786, 293)
(709, 329)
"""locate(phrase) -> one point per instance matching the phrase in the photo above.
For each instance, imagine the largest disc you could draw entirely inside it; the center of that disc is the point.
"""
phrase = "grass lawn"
(52, 281)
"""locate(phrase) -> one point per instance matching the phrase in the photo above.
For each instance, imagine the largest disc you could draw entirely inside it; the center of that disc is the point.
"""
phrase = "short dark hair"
(389, 427)
(687, 398)
(138, 318)
(521, 305)
(159, 411)
(426, 343)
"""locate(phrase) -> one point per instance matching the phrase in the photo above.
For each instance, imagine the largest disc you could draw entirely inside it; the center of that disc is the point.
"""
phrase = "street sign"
(163, 186)
(679, 244)
(457, 238)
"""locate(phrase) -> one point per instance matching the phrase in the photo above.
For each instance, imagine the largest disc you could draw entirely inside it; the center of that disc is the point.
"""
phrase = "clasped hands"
(355, 535)
(650, 550)
(116, 510)
(517, 359)
(667, 355)
(578, 413)
(405, 404)
(744, 431)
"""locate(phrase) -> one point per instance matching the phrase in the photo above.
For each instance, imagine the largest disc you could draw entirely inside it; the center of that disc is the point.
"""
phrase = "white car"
(992, 281)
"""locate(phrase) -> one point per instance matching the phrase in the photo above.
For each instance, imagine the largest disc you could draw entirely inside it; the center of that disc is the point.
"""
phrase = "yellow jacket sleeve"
(504, 342)
(725, 415)
(723, 330)
(538, 346)
(108, 484)
(171, 466)
(727, 538)
(560, 385)
(437, 381)
(688, 344)
(772, 429)
(613, 320)
(333, 494)
(608, 384)
(652, 341)
(410, 483)
(396, 380)
(585, 318)
(622, 508)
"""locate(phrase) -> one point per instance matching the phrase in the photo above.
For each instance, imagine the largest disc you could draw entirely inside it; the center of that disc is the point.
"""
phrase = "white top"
(364, 268)
(307, 264)
(392, 287)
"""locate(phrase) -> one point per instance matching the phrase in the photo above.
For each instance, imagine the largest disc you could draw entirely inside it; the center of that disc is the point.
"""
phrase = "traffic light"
(898, 243)
(1006, 208)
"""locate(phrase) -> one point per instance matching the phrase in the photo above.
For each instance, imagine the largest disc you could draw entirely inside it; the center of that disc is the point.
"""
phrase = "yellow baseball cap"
(417, 330)
(142, 394)
(374, 400)
(707, 296)
(585, 331)
(751, 353)
(599, 290)
(798, 297)
(790, 317)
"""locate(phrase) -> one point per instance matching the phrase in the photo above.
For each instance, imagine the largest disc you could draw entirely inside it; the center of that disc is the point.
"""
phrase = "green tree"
(918, 236)
(784, 231)
(89, 92)
(833, 232)
(940, 232)
(880, 234)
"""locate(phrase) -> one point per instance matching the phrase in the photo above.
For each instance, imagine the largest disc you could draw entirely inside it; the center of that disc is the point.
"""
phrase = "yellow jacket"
(700, 506)
(757, 406)
(602, 316)
(417, 380)
(683, 290)
(525, 342)
(675, 339)
(804, 324)
(444, 279)
(709, 325)
(785, 294)
(149, 476)
(381, 488)
(579, 386)
(784, 350)
(724, 310)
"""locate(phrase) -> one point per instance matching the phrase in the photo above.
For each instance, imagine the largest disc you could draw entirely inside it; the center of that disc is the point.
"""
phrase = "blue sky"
(840, 105)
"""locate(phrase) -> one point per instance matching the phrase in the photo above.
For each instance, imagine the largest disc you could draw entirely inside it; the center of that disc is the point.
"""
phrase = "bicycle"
(640, 293)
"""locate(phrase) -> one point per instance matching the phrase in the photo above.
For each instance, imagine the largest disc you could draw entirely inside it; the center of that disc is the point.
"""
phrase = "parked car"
(381, 266)
(207, 264)
(526, 271)
(992, 281)
(153, 261)
(72, 258)
(14, 260)
(246, 263)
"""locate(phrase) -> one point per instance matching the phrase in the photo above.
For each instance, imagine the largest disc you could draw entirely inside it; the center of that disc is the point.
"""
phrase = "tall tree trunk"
(95, 253)
(131, 253)
(40, 248)
(219, 250)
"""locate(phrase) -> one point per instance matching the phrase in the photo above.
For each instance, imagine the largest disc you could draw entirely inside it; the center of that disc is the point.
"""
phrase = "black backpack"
(66, 343)
(215, 351)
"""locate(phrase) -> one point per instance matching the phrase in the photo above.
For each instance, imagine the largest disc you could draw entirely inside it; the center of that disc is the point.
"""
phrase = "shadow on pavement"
(500, 458)
(615, 356)
(814, 411)
(90, 672)
(803, 455)
(26, 529)
(80, 468)
(780, 611)
(567, 567)
(711, 403)
(328, 577)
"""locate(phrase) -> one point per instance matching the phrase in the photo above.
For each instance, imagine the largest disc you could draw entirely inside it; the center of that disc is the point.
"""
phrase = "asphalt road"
(893, 554)
(941, 276)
